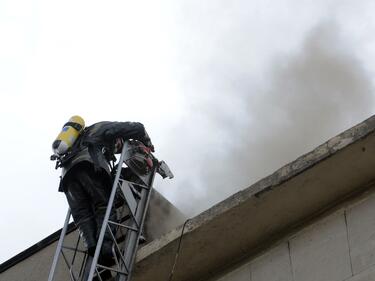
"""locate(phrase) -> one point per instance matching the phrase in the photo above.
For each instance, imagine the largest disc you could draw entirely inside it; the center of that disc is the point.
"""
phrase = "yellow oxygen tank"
(68, 135)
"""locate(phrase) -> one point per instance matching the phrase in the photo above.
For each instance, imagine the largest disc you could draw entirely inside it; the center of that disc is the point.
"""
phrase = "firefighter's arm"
(129, 130)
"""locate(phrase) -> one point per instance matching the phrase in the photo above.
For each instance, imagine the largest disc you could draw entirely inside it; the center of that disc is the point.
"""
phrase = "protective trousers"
(87, 191)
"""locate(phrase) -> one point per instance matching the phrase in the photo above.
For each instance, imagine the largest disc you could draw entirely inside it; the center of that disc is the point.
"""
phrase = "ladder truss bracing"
(123, 223)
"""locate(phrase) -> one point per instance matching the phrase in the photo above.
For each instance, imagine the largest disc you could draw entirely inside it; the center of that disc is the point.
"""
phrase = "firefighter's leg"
(107, 246)
(100, 191)
(83, 215)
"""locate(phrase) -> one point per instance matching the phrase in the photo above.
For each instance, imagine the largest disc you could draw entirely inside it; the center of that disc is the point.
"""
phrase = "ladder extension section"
(129, 200)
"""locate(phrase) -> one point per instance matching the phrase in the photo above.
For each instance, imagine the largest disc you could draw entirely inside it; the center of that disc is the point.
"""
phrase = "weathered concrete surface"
(240, 274)
(238, 226)
(361, 229)
(273, 266)
(318, 251)
(321, 252)
(367, 275)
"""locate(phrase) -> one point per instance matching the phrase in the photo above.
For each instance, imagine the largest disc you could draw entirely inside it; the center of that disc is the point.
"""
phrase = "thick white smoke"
(251, 125)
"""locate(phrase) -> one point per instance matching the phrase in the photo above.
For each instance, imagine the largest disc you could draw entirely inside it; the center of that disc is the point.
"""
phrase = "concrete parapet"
(245, 223)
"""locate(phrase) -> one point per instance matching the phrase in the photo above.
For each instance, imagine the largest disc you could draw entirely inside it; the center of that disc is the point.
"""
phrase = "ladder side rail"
(59, 247)
(142, 216)
(132, 239)
(107, 214)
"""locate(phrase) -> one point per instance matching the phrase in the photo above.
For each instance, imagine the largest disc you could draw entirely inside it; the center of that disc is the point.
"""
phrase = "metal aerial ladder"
(129, 198)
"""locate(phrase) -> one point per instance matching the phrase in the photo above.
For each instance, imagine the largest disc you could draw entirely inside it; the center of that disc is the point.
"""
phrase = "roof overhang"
(239, 225)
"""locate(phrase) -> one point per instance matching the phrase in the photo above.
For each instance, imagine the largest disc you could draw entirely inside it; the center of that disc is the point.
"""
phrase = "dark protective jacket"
(96, 145)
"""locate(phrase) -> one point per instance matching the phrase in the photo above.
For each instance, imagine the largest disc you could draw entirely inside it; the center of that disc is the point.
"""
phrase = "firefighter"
(86, 179)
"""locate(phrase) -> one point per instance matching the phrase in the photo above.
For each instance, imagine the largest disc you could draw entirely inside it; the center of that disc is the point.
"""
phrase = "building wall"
(37, 267)
(338, 247)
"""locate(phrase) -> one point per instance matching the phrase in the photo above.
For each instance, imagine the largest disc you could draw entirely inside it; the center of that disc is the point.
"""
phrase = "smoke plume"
(247, 128)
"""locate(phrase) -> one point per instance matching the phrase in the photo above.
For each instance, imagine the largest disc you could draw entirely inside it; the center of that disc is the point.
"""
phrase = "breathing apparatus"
(68, 135)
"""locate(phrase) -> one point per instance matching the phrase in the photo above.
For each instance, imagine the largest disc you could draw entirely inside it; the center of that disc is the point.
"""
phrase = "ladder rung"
(112, 269)
(138, 184)
(73, 249)
(124, 226)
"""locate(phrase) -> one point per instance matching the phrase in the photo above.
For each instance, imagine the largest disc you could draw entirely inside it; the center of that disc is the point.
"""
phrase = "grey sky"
(229, 91)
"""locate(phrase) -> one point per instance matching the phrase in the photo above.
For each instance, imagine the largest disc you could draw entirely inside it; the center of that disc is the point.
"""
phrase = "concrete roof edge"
(285, 173)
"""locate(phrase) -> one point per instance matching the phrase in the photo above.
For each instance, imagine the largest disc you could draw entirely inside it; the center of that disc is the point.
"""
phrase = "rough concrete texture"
(273, 266)
(242, 224)
(367, 275)
(240, 274)
(322, 252)
(361, 228)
